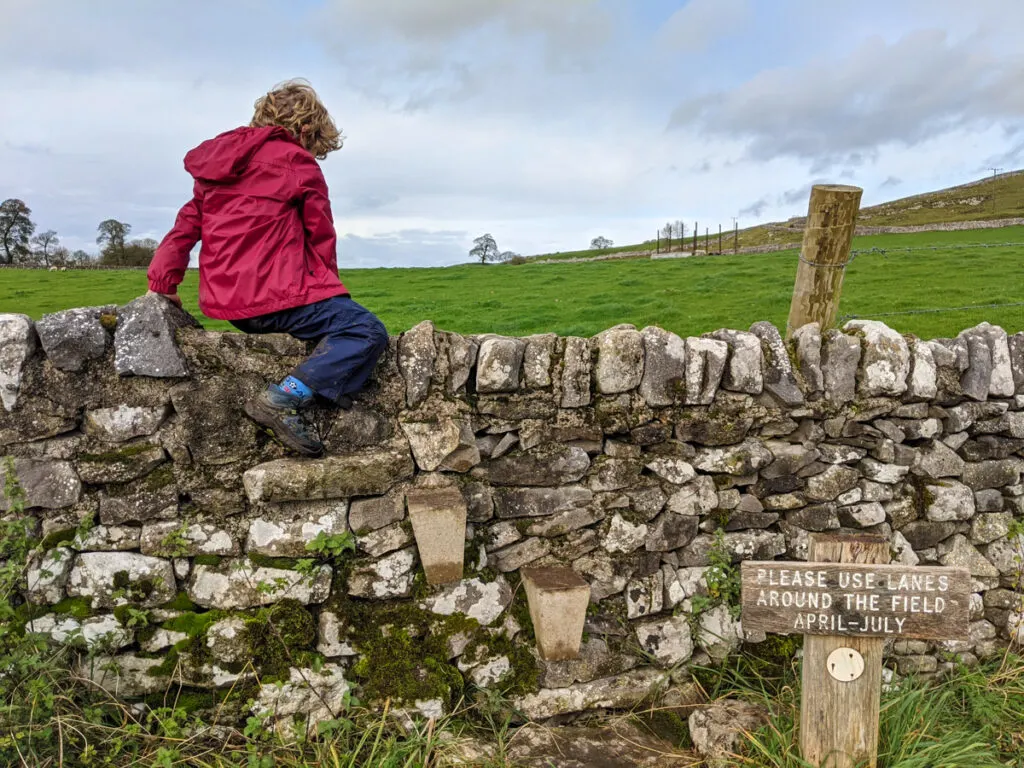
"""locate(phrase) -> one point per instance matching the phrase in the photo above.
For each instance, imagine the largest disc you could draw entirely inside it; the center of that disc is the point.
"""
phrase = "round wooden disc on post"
(831, 218)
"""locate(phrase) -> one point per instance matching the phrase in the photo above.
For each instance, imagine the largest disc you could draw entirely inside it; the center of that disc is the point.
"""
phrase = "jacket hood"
(225, 157)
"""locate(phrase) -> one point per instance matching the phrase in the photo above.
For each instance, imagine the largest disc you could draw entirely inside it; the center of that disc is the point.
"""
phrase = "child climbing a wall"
(268, 260)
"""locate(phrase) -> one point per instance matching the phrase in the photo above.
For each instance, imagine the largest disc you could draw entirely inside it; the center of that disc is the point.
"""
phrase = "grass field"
(688, 296)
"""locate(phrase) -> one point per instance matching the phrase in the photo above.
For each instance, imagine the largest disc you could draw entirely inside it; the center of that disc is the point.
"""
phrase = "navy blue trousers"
(349, 339)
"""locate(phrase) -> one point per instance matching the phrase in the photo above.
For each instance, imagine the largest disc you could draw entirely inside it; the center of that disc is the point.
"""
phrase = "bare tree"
(46, 243)
(485, 248)
(16, 229)
(80, 257)
(600, 243)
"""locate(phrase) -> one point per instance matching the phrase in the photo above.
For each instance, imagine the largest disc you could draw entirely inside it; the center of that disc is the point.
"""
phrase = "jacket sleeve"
(167, 269)
(315, 207)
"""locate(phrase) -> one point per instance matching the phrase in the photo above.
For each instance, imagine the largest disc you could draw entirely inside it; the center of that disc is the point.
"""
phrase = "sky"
(545, 123)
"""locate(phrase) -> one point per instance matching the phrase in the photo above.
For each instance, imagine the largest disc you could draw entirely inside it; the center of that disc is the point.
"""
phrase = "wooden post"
(735, 237)
(707, 240)
(695, 238)
(719, 239)
(831, 217)
(658, 247)
(839, 720)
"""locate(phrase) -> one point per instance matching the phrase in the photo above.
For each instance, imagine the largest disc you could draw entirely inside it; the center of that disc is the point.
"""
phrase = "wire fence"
(885, 252)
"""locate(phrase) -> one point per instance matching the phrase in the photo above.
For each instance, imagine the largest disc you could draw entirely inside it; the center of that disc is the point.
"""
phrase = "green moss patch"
(76, 607)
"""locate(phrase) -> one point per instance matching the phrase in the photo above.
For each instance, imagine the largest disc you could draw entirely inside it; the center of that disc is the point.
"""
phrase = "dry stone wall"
(181, 549)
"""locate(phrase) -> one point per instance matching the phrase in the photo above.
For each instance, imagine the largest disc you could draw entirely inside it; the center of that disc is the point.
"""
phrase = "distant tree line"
(21, 246)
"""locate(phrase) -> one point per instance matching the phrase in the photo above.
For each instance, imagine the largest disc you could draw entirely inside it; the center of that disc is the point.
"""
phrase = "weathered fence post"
(839, 720)
(831, 217)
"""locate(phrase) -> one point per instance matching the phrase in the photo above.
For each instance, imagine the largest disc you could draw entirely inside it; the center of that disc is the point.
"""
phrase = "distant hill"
(988, 199)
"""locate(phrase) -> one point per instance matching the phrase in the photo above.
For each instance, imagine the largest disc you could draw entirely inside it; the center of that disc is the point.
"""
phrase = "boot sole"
(268, 420)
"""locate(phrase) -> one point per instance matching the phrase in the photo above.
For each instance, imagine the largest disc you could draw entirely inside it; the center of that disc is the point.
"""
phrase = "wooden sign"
(847, 599)
(924, 603)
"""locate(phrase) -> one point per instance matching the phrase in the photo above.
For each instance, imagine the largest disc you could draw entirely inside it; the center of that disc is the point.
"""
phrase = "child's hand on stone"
(171, 297)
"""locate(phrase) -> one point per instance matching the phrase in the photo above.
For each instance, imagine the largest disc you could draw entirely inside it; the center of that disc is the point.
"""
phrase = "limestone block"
(958, 552)
(181, 539)
(227, 640)
(331, 636)
(272, 535)
(808, 354)
(111, 579)
(664, 374)
(18, 342)
(923, 381)
(537, 360)
(47, 575)
(671, 531)
(474, 598)
(885, 364)
(377, 512)
(144, 342)
(744, 372)
(438, 519)
(124, 422)
(74, 336)
(155, 496)
(835, 480)
(547, 465)
(389, 577)
(618, 692)
(218, 435)
(416, 354)
(462, 354)
(370, 472)
(46, 484)
(667, 640)
(645, 596)
(705, 364)
(1016, 348)
(696, 498)
(937, 460)
(384, 540)
(558, 600)
(125, 675)
(108, 538)
(238, 584)
(317, 695)
(840, 359)
(743, 459)
(522, 553)
(779, 379)
(948, 500)
(575, 379)
(719, 633)
(620, 360)
(121, 465)
(673, 469)
(992, 474)
(499, 364)
(624, 536)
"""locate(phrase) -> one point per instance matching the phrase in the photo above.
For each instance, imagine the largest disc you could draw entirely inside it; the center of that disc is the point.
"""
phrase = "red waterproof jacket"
(261, 208)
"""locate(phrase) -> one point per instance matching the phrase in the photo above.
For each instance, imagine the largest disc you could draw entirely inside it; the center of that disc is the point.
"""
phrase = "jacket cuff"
(163, 286)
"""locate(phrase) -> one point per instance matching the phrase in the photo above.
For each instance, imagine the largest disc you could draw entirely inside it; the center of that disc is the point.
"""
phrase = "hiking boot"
(278, 412)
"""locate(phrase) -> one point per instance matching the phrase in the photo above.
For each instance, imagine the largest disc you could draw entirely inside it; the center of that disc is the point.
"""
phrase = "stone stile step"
(558, 600)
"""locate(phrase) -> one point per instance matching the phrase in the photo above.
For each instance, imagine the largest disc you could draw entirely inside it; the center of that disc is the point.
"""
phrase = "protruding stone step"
(558, 599)
(438, 517)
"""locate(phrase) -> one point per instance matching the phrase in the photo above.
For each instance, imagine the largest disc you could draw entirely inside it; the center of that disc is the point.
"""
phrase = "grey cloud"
(700, 23)
(794, 196)
(841, 111)
(891, 181)
(755, 209)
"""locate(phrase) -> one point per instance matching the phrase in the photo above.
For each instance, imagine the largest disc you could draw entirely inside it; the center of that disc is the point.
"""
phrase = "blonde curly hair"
(294, 105)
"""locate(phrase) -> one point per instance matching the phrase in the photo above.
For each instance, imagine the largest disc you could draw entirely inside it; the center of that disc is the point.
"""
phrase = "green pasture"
(687, 296)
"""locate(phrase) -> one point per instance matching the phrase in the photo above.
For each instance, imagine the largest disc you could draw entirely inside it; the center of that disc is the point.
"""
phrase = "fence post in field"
(695, 238)
(736, 237)
(719, 239)
(831, 217)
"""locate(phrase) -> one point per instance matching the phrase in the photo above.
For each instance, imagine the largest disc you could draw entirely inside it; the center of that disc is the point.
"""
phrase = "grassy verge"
(974, 718)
